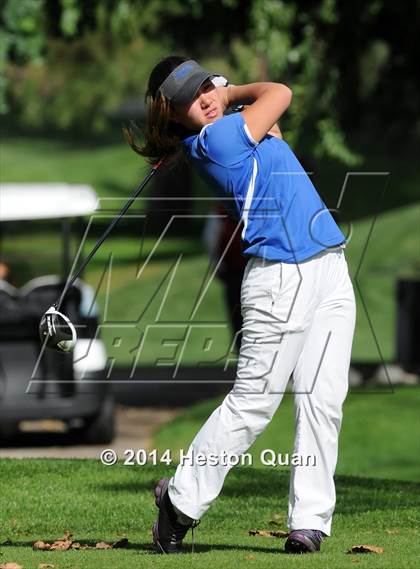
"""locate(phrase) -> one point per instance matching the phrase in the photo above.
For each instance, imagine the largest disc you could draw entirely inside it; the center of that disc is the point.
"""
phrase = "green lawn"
(161, 299)
(43, 498)
(380, 435)
(378, 473)
(377, 482)
(111, 169)
(380, 251)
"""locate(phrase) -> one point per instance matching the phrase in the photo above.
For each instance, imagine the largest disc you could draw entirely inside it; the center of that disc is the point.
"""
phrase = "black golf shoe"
(168, 532)
(304, 541)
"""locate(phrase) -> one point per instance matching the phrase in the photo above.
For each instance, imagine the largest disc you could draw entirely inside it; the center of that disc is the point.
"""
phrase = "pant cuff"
(310, 522)
(185, 508)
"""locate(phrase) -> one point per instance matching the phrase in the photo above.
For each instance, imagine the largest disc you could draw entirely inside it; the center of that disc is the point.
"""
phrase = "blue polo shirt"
(283, 215)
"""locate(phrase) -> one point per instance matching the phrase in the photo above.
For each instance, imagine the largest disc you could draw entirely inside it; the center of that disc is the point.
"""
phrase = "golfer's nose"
(205, 100)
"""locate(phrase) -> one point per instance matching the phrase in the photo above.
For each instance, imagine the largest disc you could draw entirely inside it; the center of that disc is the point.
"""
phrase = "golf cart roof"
(46, 201)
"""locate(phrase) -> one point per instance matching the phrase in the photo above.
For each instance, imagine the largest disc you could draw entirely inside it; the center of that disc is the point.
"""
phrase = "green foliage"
(21, 38)
(372, 65)
(65, 65)
(270, 34)
(290, 48)
(81, 82)
(69, 17)
(332, 143)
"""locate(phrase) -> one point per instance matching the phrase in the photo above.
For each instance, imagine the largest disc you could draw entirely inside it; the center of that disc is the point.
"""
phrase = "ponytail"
(162, 137)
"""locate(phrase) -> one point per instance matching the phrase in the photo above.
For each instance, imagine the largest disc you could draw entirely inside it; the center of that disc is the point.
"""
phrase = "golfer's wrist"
(228, 100)
(230, 90)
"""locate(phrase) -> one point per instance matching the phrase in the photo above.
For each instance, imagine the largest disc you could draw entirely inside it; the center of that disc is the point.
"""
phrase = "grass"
(111, 169)
(43, 498)
(379, 437)
(377, 483)
(378, 470)
(135, 299)
(379, 252)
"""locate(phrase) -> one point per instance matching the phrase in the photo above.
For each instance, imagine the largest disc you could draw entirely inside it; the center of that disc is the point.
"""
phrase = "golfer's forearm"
(252, 91)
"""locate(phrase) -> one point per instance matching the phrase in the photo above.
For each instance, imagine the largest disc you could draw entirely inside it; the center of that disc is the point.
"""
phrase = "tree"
(349, 64)
(22, 37)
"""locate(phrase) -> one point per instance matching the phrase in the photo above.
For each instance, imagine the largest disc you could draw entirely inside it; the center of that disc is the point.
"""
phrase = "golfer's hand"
(275, 131)
(224, 97)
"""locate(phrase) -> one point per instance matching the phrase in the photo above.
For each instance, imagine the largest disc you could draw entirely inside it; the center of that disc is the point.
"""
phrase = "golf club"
(55, 329)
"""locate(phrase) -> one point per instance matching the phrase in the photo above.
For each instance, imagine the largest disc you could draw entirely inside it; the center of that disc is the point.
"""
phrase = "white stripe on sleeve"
(249, 135)
(248, 199)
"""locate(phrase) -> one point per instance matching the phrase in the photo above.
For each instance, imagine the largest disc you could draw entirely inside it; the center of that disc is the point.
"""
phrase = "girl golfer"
(297, 299)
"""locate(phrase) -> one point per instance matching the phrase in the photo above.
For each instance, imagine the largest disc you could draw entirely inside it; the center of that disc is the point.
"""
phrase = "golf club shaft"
(111, 226)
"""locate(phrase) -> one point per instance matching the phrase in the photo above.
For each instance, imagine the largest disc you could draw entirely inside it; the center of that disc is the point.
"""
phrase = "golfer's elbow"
(281, 99)
(285, 93)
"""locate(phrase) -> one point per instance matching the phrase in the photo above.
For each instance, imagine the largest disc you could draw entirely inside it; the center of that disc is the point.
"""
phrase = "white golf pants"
(298, 320)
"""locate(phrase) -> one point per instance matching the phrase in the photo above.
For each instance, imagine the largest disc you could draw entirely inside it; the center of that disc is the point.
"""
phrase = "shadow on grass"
(147, 547)
(363, 494)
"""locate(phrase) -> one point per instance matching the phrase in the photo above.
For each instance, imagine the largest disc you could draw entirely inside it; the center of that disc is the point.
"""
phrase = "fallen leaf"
(268, 533)
(365, 549)
(77, 545)
(10, 565)
(393, 531)
(103, 545)
(250, 557)
(41, 545)
(276, 519)
(61, 545)
(46, 566)
(66, 543)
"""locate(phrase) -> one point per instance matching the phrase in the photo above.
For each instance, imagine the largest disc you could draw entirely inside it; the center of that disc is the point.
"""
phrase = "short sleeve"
(226, 141)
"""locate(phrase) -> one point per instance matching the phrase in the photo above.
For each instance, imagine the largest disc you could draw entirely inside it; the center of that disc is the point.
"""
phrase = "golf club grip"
(111, 226)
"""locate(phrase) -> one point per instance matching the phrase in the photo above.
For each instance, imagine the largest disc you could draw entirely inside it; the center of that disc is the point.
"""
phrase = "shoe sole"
(156, 542)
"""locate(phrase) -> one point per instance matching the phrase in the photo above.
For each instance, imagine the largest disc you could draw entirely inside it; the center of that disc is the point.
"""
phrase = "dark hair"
(162, 137)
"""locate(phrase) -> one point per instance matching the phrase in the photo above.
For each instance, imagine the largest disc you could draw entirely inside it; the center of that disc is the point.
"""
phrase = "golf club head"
(57, 331)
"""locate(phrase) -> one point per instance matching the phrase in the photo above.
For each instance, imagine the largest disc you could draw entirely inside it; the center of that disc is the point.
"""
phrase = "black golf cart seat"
(37, 383)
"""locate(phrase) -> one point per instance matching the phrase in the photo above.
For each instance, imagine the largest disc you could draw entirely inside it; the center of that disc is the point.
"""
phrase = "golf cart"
(36, 382)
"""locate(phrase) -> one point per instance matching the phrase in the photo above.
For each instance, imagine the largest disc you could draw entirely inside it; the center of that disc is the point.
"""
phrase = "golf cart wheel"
(9, 429)
(100, 429)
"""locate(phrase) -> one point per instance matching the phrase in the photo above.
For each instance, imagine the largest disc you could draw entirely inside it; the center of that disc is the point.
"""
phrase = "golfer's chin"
(210, 120)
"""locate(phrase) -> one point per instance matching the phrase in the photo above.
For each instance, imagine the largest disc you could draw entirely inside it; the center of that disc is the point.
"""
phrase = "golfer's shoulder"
(227, 140)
